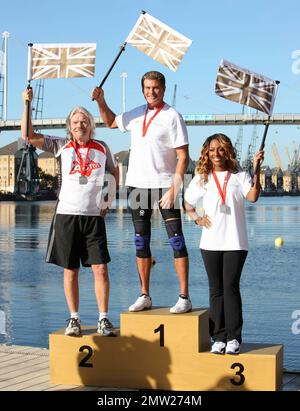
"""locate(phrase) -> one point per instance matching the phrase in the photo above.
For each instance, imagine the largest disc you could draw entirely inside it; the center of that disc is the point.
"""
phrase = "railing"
(190, 120)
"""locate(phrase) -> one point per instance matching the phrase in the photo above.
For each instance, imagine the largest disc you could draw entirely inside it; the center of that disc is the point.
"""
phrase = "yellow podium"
(158, 350)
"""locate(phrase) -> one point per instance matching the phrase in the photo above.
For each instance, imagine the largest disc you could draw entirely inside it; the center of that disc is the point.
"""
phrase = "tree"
(47, 181)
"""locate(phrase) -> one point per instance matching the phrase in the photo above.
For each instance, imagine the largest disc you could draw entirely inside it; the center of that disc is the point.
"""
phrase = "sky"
(260, 35)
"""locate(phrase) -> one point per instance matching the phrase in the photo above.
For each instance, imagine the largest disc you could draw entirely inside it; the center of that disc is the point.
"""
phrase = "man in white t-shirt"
(78, 233)
(158, 160)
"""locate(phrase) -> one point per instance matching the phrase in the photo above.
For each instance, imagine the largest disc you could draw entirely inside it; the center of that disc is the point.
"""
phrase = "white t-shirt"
(152, 161)
(228, 231)
(75, 198)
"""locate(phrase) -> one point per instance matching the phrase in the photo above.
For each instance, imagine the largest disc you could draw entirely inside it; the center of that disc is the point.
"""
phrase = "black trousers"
(224, 270)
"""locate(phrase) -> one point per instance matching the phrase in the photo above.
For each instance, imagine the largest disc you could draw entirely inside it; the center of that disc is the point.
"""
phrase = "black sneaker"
(73, 327)
(106, 328)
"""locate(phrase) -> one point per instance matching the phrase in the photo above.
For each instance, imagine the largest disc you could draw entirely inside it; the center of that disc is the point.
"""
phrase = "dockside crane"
(28, 173)
(295, 160)
(278, 164)
(248, 163)
(288, 156)
(295, 168)
(238, 146)
(277, 159)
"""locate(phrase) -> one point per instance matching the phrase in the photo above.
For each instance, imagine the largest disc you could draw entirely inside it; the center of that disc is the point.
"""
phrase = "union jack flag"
(158, 41)
(245, 87)
(62, 60)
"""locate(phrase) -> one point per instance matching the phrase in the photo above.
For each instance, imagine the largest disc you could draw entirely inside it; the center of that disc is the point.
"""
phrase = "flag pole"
(29, 74)
(122, 48)
(262, 144)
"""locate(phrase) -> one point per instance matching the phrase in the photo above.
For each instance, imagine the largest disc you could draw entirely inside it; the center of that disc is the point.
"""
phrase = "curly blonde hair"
(204, 165)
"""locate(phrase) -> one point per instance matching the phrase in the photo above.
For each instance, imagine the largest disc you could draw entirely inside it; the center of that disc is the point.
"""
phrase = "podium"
(155, 349)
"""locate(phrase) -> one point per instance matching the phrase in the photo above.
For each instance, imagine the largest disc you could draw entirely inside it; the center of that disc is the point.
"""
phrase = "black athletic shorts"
(75, 238)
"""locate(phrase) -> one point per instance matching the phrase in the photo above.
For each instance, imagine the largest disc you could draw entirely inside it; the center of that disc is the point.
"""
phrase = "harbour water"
(31, 291)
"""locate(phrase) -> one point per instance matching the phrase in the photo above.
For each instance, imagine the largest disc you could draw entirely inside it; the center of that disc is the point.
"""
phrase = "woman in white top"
(222, 187)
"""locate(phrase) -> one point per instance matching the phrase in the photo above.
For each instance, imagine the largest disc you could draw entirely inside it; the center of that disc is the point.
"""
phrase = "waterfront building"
(48, 163)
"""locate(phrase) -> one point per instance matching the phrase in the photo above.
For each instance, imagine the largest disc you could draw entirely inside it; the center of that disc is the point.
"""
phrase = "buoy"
(279, 242)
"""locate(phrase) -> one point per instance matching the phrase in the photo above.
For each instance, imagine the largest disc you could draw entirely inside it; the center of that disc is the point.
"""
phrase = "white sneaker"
(183, 305)
(233, 347)
(73, 327)
(218, 347)
(144, 302)
(106, 328)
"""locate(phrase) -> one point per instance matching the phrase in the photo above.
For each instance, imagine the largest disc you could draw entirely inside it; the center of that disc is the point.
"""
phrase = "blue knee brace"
(142, 242)
(177, 242)
(142, 238)
(176, 238)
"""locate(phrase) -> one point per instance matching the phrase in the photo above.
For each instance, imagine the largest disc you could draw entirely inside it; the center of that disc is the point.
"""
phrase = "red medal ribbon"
(78, 155)
(222, 192)
(145, 124)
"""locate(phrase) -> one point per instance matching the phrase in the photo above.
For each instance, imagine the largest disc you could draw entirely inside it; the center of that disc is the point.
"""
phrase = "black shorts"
(75, 238)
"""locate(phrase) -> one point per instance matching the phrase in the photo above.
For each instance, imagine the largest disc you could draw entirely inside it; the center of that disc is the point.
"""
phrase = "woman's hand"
(258, 158)
(203, 221)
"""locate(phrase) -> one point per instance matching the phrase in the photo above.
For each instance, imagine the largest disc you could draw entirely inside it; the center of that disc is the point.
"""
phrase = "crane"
(279, 173)
(288, 156)
(28, 173)
(239, 140)
(295, 159)
(277, 159)
(38, 100)
(248, 164)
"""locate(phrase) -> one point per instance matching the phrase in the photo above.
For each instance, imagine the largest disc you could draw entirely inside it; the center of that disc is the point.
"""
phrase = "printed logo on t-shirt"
(88, 168)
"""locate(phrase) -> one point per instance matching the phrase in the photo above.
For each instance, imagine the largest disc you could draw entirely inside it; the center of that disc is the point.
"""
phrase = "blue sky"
(260, 35)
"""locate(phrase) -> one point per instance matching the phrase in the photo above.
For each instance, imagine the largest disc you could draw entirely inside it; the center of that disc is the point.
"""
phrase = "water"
(32, 296)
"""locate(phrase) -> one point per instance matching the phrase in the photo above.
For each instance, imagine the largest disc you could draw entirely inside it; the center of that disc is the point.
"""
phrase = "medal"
(223, 208)
(83, 163)
(145, 124)
(83, 180)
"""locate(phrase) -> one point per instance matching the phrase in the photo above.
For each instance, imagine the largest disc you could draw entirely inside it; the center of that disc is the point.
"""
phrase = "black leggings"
(141, 205)
(224, 270)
